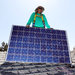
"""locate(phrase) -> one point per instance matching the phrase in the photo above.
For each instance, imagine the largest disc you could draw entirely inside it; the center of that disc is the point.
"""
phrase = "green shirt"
(38, 21)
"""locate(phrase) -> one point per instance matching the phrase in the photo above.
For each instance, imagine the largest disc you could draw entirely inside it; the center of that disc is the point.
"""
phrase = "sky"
(60, 15)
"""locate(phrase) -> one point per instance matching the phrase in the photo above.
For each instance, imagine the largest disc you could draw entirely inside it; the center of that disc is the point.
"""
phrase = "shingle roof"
(35, 69)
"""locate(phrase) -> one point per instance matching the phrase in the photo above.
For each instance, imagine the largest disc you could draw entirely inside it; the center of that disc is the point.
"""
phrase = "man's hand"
(27, 26)
(51, 28)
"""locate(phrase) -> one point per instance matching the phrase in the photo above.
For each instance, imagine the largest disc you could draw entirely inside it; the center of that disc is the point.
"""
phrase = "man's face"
(40, 10)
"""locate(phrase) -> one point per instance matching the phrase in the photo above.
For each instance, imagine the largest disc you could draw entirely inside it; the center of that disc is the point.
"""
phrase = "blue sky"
(60, 14)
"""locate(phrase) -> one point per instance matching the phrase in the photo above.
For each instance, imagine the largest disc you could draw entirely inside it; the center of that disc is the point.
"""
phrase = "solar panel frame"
(46, 59)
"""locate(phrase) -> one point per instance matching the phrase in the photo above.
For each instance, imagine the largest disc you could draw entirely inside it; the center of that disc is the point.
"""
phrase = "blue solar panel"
(38, 45)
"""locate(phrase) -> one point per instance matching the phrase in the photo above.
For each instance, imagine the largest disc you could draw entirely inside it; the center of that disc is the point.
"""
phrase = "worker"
(38, 19)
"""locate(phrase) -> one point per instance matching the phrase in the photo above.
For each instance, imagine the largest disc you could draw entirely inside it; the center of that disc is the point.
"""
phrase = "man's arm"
(46, 23)
(30, 20)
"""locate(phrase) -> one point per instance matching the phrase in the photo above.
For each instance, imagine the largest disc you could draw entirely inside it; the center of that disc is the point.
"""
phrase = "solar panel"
(38, 45)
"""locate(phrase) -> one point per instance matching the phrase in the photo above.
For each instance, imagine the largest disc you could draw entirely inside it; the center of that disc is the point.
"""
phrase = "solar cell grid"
(38, 45)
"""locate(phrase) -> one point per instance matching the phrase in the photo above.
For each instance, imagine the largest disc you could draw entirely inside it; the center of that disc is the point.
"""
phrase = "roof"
(35, 69)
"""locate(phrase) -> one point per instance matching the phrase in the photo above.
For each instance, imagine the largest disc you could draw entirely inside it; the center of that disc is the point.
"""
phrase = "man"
(38, 19)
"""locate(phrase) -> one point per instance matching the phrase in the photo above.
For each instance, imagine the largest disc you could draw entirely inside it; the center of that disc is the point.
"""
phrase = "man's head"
(39, 9)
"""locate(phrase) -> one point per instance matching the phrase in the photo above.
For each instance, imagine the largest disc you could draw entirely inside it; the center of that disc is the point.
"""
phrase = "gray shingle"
(35, 69)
